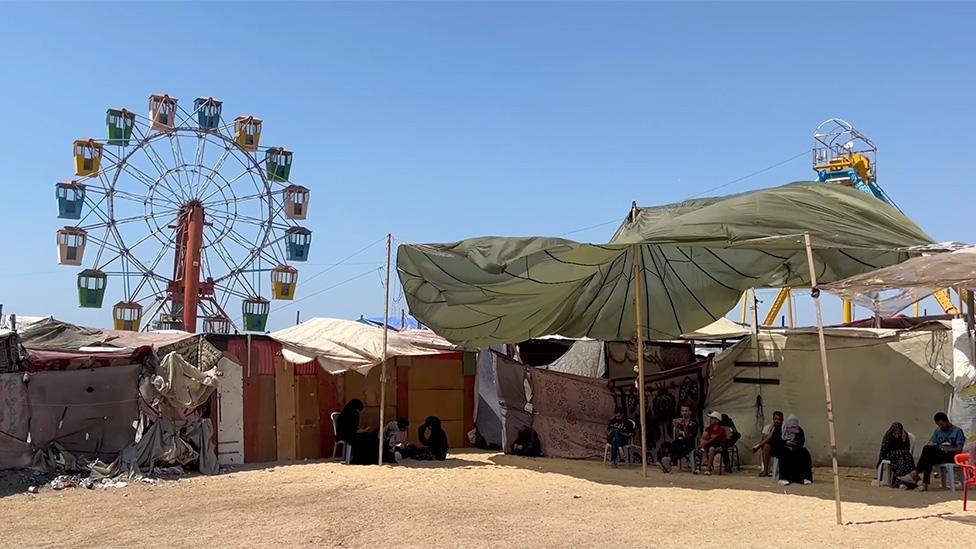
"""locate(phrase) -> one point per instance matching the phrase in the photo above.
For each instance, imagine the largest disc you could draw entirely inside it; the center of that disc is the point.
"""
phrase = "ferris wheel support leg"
(191, 274)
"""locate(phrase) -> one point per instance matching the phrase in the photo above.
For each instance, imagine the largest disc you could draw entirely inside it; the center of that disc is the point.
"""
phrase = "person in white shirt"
(395, 439)
(771, 440)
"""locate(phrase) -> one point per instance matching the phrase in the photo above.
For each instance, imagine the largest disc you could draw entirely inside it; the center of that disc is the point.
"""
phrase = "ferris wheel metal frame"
(210, 224)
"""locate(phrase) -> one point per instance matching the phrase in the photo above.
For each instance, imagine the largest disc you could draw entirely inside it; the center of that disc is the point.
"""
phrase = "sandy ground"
(483, 500)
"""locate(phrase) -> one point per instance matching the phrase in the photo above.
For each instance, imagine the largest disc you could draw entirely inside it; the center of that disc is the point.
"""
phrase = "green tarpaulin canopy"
(697, 258)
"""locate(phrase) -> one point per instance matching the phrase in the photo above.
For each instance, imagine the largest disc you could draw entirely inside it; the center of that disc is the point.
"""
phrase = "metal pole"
(191, 267)
(640, 357)
(386, 333)
(970, 324)
(815, 294)
(298, 318)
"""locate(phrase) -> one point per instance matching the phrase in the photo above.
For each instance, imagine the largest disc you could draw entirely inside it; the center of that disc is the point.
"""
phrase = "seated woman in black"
(434, 438)
(365, 445)
(795, 463)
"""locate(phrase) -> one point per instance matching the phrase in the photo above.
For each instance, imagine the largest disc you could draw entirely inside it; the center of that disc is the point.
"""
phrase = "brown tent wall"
(876, 378)
(288, 407)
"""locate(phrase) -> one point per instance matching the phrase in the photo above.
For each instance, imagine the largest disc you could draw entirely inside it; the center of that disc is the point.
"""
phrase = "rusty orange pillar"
(191, 268)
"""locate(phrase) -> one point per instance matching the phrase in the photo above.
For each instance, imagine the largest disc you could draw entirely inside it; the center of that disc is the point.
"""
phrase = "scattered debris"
(32, 489)
(577, 496)
(65, 481)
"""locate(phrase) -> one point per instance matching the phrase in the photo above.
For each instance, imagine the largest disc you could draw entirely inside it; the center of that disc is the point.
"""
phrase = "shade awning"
(342, 345)
(696, 258)
(891, 289)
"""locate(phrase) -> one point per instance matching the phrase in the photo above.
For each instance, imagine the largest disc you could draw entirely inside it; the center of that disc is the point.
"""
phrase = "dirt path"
(482, 500)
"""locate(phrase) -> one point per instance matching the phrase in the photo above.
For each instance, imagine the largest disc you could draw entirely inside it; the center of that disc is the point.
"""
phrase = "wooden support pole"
(386, 334)
(815, 294)
(789, 310)
(638, 277)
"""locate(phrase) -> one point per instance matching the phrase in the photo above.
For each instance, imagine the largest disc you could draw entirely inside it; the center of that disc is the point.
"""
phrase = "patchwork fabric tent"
(695, 259)
(781, 370)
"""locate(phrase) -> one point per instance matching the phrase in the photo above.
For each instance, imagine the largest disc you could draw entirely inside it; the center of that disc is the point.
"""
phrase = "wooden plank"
(755, 380)
(309, 444)
(266, 445)
(470, 402)
(285, 409)
(756, 364)
(230, 418)
(427, 373)
(328, 402)
(402, 391)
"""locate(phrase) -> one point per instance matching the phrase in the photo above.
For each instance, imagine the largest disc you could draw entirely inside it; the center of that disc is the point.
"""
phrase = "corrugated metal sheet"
(260, 439)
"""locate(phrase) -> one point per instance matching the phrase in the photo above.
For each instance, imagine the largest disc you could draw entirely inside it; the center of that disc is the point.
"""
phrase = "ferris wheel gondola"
(182, 188)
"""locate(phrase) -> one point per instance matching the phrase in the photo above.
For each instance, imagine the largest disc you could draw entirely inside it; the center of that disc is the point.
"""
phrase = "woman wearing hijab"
(433, 436)
(365, 446)
(896, 448)
(795, 464)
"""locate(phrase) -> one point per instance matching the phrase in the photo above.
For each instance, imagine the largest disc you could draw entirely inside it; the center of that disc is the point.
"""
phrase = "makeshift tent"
(695, 259)
(342, 345)
(722, 328)
(877, 377)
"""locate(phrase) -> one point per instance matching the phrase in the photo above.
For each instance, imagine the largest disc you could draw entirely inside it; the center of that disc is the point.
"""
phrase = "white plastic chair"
(884, 468)
(775, 467)
(346, 449)
(947, 470)
(629, 449)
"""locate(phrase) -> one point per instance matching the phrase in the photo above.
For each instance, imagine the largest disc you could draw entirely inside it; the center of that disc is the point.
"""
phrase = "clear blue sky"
(440, 121)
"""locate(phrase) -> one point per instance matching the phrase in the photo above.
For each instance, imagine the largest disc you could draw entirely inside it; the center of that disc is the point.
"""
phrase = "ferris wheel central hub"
(186, 187)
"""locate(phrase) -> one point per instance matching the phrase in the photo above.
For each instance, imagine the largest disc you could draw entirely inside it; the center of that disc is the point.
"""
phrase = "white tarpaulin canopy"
(342, 345)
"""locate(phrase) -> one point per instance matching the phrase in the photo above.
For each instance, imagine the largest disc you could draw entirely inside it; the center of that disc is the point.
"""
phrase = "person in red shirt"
(712, 440)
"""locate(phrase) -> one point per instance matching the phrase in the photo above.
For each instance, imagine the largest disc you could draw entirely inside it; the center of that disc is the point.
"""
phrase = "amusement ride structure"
(844, 156)
(187, 212)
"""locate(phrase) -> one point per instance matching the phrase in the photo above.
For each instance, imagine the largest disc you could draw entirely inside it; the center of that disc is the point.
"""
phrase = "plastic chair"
(775, 467)
(968, 475)
(947, 470)
(346, 448)
(884, 468)
(629, 449)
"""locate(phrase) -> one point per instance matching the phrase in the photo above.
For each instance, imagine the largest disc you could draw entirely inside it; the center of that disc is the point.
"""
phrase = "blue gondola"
(208, 112)
(298, 240)
(71, 199)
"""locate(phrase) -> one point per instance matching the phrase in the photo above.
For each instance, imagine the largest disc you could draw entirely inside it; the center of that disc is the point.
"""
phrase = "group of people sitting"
(946, 441)
(785, 442)
(718, 436)
(365, 442)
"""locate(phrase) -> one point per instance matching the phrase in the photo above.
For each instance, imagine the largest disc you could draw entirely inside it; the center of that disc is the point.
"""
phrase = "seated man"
(947, 441)
(712, 440)
(732, 436)
(395, 438)
(772, 438)
(619, 433)
(683, 442)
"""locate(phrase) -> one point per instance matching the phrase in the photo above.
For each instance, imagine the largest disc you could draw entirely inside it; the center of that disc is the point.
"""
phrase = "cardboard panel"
(307, 417)
(285, 409)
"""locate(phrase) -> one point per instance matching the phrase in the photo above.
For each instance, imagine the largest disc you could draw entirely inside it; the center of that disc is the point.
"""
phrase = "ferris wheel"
(184, 213)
